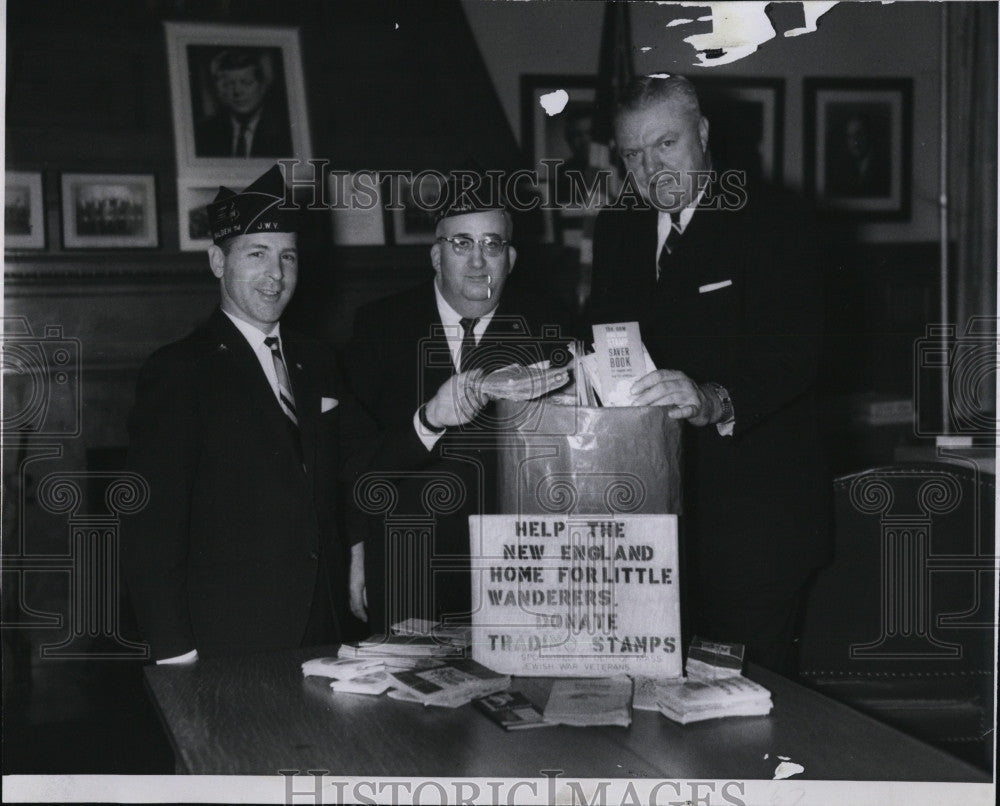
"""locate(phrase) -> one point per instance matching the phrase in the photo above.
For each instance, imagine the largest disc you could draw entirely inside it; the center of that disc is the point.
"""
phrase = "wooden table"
(257, 715)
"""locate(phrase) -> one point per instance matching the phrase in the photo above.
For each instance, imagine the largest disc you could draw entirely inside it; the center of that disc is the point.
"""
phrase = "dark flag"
(615, 67)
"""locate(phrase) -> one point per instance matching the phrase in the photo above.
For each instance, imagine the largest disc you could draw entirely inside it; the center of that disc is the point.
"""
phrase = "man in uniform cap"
(240, 430)
(465, 319)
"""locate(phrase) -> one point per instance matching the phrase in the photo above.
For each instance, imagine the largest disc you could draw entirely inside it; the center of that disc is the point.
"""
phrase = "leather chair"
(901, 624)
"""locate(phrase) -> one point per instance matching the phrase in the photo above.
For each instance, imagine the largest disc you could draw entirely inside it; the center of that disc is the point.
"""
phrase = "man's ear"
(217, 260)
(703, 133)
(511, 257)
(436, 258)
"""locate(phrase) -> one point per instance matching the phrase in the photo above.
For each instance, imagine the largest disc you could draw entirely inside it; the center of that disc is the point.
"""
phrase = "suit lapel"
(247, 367)
(434, 357)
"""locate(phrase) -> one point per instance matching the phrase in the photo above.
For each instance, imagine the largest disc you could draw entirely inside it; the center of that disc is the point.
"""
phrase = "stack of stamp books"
(422, 661)
(694, 700)
(714, 687)
(590, 701)
(352, 675)
(450, 684)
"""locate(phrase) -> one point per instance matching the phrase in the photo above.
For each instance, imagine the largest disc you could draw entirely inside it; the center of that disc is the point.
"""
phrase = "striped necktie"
(468, 344)
(673, 235)
(285, 397)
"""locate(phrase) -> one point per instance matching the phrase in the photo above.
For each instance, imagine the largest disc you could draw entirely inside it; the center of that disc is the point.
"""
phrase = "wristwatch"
(725, 402)
(422, 415)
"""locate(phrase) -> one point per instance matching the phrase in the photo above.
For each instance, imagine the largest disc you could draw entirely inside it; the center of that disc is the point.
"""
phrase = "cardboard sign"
(576, 597)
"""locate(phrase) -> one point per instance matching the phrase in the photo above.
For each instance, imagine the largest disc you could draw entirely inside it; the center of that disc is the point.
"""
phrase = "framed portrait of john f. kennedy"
(238, 98)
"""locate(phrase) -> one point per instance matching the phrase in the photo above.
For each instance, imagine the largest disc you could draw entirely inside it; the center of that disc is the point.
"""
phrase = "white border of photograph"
(179, 36)
(144, 187)
(35, 239)
(191, 194)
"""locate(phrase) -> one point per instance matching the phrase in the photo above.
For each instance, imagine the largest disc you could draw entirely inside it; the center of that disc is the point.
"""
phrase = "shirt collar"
(254, 336)
(251, 124)
(684, 216)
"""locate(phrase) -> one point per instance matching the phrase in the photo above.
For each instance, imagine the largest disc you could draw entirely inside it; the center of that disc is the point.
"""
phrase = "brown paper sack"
(576, 460)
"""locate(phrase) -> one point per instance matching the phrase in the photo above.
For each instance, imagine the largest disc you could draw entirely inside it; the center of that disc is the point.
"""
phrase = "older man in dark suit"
(466, 318)
(722, 278)
(240, 429)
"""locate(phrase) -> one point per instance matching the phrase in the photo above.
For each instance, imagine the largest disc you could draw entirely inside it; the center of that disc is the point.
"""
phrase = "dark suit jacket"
(397, 360)
(213, 137)
(757, 504)
(225, 556)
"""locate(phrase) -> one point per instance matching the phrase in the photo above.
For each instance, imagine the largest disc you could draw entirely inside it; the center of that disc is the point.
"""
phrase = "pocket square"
(704, 289)
(327, 403)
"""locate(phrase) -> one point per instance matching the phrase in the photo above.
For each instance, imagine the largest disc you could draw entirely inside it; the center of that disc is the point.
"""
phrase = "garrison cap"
(259, 208)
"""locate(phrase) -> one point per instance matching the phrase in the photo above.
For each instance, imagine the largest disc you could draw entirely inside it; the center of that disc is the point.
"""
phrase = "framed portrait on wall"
(238, 97)
(109, 211)
(557, 121)
(557, 117)
(746, 119)
(24, 210)
(414, 220)
(858, 142)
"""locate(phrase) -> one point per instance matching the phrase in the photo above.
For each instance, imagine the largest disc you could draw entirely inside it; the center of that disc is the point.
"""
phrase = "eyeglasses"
(461, 245)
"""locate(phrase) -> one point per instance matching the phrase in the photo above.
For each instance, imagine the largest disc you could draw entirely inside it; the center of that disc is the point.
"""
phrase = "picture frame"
(24, 210)
(238, 98)
(746, 119)
(109, 211)
(544, 135)
(193, 225)
(858, 145)
(413, 222)
(563, 135)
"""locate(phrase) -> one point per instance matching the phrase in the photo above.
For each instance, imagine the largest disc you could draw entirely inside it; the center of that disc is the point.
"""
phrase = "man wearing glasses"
(464, 321)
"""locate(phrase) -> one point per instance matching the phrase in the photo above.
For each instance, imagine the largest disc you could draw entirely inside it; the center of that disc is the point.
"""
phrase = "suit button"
(313, 555)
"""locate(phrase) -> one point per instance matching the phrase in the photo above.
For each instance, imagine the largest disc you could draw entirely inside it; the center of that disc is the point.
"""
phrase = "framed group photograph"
(24, 210)
(109, 211)
(238, 97)
(193, 198)
(746, 119)
(858, 142)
